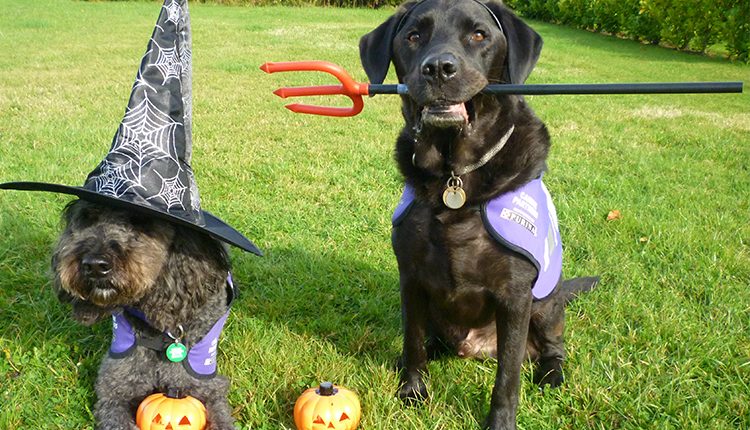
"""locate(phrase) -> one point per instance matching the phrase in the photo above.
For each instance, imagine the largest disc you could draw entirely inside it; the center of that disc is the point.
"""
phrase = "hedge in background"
(692, 25)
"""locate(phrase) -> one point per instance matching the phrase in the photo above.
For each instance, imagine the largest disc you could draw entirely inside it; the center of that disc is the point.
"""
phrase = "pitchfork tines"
(349, 88)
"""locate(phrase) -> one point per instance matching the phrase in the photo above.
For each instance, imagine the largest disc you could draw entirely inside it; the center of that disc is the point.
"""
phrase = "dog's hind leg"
(480, 343)
(546, 343)
(443, 337)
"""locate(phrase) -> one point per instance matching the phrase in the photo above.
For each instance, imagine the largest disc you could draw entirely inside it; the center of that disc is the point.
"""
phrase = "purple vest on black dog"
(523, 220)
(201, 357)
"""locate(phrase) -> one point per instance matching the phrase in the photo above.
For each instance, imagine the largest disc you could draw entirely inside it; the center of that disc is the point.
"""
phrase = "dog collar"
(488, 156)
(454, 195)
(199, 359)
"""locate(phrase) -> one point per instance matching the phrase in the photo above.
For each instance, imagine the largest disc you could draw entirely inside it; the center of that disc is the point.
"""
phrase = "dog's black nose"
(95, 265)
(441, 66)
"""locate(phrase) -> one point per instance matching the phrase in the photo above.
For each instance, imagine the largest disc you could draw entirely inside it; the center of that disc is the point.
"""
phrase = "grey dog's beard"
(102, 296)
(99, 292)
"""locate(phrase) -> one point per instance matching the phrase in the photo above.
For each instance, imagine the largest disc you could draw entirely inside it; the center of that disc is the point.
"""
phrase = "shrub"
(685, 24)
(736, 32)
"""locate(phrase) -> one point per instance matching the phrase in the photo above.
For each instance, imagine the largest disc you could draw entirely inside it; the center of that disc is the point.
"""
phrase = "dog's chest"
(472, 251)
(447, 259)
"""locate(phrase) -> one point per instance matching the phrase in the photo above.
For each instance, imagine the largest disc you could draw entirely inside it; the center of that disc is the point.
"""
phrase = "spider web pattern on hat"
(149, 160)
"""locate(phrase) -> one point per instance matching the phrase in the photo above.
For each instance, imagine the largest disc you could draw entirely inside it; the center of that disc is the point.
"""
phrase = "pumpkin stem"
(326, 389)
(175, 393)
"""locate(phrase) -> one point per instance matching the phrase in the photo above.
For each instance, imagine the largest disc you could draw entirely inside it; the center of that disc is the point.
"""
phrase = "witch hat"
(148, 168)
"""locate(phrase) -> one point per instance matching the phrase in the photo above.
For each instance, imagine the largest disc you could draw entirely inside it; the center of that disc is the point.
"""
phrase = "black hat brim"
(214, 227)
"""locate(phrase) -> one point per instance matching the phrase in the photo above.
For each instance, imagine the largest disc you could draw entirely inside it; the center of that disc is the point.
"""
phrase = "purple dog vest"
(201, 358)
(523, 220)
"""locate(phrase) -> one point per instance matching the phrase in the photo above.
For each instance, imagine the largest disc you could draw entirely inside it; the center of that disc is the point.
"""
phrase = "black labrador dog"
(475, 234)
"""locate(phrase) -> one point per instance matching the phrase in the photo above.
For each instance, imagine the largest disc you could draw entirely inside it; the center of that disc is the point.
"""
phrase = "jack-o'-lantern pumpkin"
(327, 407)
(172, 411)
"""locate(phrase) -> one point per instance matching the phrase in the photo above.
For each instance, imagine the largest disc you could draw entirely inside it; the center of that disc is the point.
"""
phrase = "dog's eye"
(478, 36)
(413, 36)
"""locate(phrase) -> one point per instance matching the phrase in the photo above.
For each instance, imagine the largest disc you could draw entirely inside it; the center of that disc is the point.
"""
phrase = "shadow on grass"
(341, 299)
(351, 306)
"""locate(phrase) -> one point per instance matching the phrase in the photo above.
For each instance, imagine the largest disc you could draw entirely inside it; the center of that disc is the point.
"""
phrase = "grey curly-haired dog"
(161, 279)
(138, 246)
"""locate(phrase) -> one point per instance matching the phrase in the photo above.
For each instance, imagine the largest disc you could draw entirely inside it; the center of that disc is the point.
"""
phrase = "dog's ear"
(524, 44)
(376, 47)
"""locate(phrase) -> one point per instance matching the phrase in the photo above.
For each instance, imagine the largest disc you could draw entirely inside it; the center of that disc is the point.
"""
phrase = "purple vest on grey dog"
(201, 358)
(523, 220)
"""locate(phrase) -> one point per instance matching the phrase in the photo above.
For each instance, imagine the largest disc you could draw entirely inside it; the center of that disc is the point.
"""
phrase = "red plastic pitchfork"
(355, 90)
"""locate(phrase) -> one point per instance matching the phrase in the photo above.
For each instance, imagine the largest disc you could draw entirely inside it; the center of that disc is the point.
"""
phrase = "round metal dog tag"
(176, 352)
(454, 197)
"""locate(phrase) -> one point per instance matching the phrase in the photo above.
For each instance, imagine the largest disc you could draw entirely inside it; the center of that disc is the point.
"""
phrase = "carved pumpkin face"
(170, 412)
(327, 407)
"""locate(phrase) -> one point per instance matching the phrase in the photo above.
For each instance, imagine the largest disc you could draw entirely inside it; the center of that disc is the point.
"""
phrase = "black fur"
(459, 287)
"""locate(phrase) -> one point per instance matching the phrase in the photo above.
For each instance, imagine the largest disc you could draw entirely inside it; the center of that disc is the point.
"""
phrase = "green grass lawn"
(663, 343)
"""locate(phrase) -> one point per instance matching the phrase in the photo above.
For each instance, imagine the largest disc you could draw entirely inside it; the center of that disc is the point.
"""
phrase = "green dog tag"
(176, 352)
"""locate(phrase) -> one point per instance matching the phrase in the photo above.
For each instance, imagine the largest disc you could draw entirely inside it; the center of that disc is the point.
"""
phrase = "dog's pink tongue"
(459, 110)
(448, 114)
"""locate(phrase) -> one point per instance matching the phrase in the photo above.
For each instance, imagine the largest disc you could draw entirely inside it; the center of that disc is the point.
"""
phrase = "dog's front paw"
(413, 390)
(549, 372)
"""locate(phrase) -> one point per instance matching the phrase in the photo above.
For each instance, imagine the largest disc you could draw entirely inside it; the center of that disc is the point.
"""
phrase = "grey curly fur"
(184, 283)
